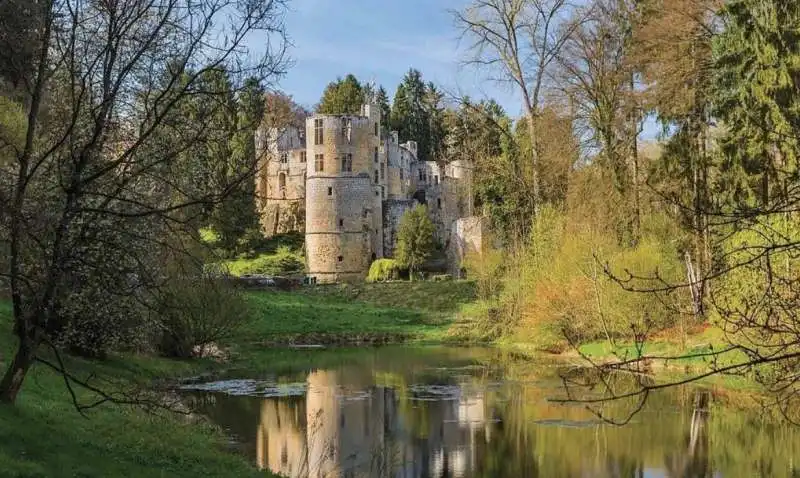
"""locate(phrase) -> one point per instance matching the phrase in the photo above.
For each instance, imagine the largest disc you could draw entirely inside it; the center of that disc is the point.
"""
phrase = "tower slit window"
(376, 154)
(302, 156)
(318, 131)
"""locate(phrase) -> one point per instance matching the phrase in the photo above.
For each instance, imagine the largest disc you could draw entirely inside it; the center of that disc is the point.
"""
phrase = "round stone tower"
(343, 195)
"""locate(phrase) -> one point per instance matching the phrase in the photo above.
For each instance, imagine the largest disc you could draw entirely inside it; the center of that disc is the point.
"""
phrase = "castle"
(345, 185)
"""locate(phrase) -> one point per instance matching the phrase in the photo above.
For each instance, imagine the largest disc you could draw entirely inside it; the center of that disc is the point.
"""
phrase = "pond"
(462, 412)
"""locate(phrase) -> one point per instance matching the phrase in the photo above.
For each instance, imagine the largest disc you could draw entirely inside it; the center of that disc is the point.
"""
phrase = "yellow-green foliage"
(383, 270)
(282, 262)
(754, 297)
(486, 269)
(555, 285)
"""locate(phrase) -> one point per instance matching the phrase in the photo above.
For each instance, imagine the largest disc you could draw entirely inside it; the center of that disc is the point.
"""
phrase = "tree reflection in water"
(391, 418)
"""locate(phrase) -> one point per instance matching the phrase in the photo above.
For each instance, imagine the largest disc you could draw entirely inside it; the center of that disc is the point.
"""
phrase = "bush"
(383, 270)
(554, 284)
(192, 314)
(283, 262)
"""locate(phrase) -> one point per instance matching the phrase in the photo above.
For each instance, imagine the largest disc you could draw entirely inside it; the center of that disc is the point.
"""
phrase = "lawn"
(417, 311)
(43, 436)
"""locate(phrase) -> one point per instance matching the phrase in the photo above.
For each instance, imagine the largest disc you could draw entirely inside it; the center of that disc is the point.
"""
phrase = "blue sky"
(379, 40)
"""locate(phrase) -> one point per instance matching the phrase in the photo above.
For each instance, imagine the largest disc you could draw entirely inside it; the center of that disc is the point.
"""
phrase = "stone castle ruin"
(346, 186)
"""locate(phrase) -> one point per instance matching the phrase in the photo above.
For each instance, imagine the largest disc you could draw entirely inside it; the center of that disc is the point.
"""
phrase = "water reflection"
(384, 418)
(340, 429)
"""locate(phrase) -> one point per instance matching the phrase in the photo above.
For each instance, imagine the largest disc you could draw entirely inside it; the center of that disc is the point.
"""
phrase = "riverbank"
(352, 314)
(43, 435)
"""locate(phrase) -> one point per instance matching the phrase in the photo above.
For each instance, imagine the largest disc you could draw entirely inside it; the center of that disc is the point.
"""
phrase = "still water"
(457, 412)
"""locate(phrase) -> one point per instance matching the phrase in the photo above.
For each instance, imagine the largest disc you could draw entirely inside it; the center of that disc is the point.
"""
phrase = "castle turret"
(344, 190)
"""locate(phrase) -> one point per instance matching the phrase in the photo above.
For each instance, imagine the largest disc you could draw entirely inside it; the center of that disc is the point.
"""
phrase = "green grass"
(42, 435)
(283, 262)
(432, 297)
(350, 311)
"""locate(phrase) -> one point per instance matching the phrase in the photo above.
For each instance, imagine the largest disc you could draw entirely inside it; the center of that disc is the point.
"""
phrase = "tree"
(236, 215)
(415, 241)
(100, 195)
(757, 60)
(409, 116)
(435, 113)
(754, 89)
(597, 79)
(382, 99)
(521, 39)
(417, 115)
(342, 97)
(671, 49)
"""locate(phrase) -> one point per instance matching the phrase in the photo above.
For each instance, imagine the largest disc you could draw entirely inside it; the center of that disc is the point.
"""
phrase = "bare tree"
(596, 76)
(520, 40)
(100, 187)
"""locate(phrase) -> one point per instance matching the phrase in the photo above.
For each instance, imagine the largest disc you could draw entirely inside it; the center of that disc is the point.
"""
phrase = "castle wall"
(343, 196)
(280, 181)
(468, 235)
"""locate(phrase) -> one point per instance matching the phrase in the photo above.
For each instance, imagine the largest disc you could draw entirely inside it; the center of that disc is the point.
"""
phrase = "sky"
(378, 41)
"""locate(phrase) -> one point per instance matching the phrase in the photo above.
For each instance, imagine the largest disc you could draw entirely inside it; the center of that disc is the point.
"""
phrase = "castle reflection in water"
(339, 431)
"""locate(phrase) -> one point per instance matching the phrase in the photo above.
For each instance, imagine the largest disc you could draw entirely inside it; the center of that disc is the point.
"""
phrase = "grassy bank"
(42, 435)
(418, 311)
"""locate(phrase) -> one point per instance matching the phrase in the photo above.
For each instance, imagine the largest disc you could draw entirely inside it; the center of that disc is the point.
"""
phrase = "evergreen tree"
(757, 96)
(236, 215)
(400, 111)
(343, 96)
(435, 115)
(417, 115)
(382, 99)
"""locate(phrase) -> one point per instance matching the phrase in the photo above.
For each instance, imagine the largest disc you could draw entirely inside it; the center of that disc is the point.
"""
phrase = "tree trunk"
(534, 161)
(637, 206)
(15, 374)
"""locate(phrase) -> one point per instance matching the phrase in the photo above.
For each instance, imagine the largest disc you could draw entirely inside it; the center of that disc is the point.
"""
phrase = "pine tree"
(400, 112)
(417, 115)
(382, 99)
(343, 96)
(757, 96)
(435, 115)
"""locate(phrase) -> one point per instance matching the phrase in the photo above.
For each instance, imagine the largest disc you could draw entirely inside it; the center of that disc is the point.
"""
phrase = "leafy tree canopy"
(415, 240)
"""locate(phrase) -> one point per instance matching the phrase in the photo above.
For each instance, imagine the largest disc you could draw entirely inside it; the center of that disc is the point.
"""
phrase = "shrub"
(554, 284)
(283, 262)
(383, 270)
(193, 314)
